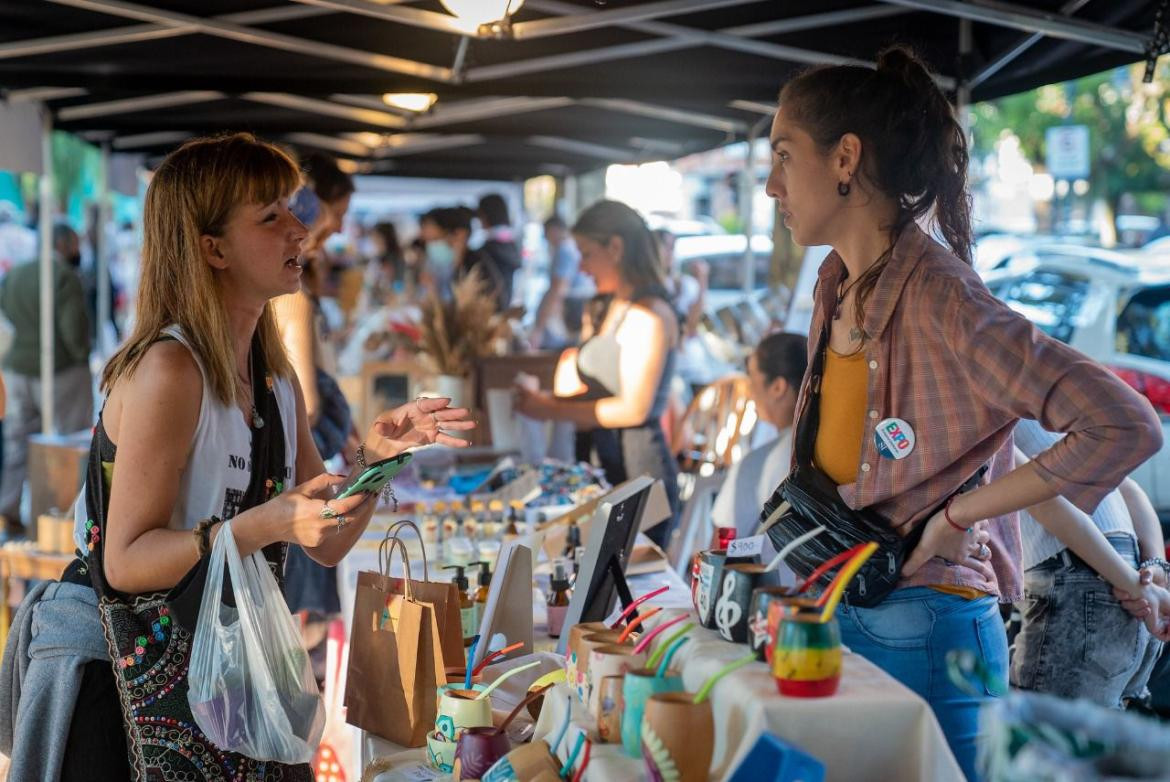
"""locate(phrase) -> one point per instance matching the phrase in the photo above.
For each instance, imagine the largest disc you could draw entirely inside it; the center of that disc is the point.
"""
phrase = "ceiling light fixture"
(486, 17)
(418, 102)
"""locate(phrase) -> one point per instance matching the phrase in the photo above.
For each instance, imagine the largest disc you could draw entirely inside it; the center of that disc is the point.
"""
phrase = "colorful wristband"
(947, 516)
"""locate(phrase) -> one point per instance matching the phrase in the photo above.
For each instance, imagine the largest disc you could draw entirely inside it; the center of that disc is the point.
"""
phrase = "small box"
(55, 534)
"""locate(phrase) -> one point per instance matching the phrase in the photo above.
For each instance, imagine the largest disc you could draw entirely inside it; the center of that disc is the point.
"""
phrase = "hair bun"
(903, 64)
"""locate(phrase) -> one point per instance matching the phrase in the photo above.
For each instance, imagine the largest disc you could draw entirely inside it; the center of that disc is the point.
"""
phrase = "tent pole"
(747, 187)
(45, 218)
(102, 258)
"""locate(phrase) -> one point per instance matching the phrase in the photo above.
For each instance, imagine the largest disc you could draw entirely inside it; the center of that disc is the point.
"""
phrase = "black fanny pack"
(808, 498)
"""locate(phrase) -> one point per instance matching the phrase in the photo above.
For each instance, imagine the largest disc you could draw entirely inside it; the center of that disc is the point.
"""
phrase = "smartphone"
(371, 479)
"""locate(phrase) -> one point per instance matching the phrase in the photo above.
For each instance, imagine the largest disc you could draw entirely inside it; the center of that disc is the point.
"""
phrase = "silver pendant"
(257, 421)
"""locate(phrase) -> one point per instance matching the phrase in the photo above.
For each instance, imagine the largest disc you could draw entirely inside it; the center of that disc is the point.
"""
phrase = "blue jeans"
(908, 636)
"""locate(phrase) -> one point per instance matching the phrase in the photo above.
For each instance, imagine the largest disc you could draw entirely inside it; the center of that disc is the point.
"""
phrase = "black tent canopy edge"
(572, 87)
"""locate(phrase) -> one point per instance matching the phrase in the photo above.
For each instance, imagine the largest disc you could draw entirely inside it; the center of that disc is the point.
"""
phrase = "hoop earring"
(843, 189)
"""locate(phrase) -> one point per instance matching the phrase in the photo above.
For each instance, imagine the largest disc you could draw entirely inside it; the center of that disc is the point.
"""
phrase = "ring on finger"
(341, 522)
(984, 551)
(327, 512)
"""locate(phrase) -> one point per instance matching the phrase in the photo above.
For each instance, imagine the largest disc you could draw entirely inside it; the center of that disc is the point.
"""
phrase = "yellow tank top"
(837, 451)
(844, 391)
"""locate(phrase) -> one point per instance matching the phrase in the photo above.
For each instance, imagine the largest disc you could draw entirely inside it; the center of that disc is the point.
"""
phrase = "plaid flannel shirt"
(961, 368)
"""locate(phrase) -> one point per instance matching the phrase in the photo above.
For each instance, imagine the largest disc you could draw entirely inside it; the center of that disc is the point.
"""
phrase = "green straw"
(654, 658)
(705, 690)
(573, 755)
(674, 647)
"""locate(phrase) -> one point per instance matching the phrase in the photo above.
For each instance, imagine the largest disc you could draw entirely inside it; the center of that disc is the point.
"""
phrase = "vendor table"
(874, 728)
(25, 563)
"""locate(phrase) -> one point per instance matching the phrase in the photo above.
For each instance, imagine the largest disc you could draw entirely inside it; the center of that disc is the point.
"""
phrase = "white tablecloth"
(874, 728)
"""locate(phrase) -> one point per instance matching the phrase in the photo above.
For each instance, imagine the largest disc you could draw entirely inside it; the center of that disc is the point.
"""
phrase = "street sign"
(1067, 151)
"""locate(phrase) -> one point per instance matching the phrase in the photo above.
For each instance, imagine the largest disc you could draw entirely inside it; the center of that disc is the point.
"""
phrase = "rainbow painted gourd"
(806, 658)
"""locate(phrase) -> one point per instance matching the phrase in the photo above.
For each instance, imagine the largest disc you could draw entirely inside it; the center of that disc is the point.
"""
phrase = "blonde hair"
(194, 193)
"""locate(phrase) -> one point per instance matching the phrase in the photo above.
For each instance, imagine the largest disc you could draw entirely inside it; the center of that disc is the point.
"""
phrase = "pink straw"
(630, 608)
(646, 639)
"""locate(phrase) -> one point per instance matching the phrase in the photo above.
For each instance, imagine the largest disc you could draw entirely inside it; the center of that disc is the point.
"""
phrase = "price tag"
(746, 547)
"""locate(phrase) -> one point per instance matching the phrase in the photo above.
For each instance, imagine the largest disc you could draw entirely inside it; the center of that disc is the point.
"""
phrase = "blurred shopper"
(385, 268)
(918, 375)
(1077, 640)
(562, 309)
(688, 287)
(20, 300)
(615, 386)
(499, 257)
(321, 204)
(775, 369)
(443, 240)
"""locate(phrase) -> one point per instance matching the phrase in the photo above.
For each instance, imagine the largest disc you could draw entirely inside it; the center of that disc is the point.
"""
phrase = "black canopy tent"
(571, 85)
(564, 86)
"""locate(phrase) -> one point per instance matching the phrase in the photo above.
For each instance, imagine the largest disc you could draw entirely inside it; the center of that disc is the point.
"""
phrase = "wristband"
(947, 515)
(202, 534)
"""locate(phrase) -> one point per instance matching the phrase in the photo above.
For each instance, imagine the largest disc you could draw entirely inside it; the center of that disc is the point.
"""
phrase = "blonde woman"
(204, 420)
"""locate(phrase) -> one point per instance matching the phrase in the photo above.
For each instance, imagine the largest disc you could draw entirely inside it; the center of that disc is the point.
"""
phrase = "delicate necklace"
(257, 421)
(855, 332)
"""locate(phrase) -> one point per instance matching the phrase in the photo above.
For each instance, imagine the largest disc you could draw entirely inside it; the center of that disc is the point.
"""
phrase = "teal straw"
(470, 658)
(556, 745)
(674, 647)
(573, 755)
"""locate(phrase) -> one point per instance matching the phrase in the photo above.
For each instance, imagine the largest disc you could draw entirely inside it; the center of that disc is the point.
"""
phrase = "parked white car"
(1113, 307)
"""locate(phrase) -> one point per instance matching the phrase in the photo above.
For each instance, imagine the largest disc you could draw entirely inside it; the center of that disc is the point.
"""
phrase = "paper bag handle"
(395, 543)
(392, 534)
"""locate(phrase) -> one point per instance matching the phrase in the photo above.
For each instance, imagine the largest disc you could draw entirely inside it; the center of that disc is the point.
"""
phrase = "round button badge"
(894, 438)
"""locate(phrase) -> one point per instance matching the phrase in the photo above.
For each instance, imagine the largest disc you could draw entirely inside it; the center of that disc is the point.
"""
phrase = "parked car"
(724, 258)
(1113, 307)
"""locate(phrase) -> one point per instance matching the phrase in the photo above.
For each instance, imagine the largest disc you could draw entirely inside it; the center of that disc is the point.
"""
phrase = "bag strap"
(392, 535)
(809, 420)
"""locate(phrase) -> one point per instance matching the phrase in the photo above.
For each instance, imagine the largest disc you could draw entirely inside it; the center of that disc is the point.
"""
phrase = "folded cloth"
(55, 632)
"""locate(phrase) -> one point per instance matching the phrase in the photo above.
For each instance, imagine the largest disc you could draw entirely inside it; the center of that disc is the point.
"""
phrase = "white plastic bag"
(252, 689)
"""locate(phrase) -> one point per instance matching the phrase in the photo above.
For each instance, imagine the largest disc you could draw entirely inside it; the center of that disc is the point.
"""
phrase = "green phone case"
(375, 476)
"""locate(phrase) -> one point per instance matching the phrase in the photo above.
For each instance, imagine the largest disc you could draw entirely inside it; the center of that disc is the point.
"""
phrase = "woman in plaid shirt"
(926, 374)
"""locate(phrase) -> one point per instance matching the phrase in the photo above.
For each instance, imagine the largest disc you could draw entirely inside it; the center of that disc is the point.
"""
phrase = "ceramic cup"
(637, 687)
(678, 737)
(478, 750)
(609, 709)
(759, 636)
(733, 599)
(584, 652)
(572, 649)
(711, 564)
(806, 657)
(526, 762)
(608, 660)
(440, 752)
(458, 712)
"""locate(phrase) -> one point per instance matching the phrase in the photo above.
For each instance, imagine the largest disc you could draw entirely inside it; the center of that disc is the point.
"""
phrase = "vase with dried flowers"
(457, 332)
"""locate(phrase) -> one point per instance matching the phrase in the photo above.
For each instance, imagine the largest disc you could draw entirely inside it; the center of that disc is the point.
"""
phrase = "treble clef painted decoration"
(728, 612)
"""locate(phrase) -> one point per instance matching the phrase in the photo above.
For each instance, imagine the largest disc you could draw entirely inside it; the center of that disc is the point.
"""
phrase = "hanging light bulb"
(417, 102)
(475, 13)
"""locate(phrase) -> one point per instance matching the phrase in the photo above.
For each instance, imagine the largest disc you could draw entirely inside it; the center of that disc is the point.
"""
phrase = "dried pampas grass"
(457, 332)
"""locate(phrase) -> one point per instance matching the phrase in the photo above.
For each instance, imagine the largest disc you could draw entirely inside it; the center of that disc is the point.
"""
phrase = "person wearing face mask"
(775, 369)
(72, 383)
(438, 269)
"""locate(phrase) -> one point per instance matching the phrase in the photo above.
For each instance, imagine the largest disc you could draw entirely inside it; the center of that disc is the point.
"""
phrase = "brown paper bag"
(443, 596)
(395, 663)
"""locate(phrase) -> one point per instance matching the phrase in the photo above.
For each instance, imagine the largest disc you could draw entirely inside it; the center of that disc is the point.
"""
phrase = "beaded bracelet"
(1156, 561)
(947, 515)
